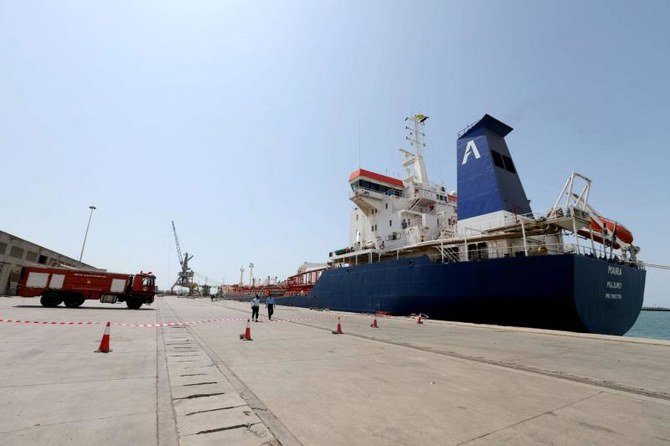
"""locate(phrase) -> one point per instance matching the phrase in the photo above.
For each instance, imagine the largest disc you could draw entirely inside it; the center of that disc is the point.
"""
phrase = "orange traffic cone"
(246, 336)
(104, 342)
(418, 319)
(339, 327)
(374, 323)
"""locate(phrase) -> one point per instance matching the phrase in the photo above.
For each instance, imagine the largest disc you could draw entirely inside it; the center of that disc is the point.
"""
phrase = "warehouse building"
(16, 252)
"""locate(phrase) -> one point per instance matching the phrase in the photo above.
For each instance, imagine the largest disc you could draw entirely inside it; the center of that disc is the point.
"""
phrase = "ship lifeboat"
(622, 233)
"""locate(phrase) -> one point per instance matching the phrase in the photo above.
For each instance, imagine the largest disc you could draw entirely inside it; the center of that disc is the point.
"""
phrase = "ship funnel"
(487, 178)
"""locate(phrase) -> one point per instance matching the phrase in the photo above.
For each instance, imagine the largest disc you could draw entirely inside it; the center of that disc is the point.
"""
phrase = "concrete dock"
(179, 374)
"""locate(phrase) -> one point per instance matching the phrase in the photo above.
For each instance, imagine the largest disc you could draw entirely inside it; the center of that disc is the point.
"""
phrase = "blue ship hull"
(563, 292)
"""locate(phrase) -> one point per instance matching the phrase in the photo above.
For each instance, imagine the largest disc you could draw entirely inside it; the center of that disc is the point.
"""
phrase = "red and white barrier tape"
(19, 321)
(122, 324)
(179, 324)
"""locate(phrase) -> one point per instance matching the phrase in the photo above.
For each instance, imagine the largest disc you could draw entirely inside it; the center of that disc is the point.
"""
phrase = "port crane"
(185, 277)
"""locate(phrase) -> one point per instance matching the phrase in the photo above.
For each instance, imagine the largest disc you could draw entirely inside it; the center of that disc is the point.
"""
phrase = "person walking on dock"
(255, 303)
(270, 303)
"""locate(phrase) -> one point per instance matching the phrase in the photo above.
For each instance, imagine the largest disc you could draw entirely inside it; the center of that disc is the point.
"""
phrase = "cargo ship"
(478, 254)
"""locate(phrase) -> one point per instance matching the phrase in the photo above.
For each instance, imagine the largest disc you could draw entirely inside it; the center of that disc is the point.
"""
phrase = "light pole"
(92, 208)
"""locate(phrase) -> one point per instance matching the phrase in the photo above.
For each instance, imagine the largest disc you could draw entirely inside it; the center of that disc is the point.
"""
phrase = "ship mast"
(414, 163)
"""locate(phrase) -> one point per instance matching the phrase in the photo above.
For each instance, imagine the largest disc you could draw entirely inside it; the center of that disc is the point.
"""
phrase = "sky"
(242, 120)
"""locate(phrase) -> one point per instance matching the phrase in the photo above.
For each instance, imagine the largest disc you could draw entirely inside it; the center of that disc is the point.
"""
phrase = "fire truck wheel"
(45, 300)
(74, 301)
(134, 304)
(50, 300)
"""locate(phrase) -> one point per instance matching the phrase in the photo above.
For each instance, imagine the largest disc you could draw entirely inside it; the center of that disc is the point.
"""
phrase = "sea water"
(651, 324)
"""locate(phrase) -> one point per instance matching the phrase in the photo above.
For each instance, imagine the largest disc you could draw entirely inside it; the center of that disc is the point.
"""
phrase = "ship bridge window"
(375, 187)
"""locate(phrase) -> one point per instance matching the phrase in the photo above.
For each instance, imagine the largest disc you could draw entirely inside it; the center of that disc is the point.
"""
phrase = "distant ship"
(477, 255)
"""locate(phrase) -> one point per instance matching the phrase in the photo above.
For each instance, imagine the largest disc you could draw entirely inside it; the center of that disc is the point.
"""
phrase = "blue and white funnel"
(488, 182)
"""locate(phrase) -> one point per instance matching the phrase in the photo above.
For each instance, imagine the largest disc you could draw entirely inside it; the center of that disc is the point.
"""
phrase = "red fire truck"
(73, 287)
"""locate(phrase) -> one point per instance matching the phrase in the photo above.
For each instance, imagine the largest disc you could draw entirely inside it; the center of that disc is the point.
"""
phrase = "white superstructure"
(396, 218)
(392, 213)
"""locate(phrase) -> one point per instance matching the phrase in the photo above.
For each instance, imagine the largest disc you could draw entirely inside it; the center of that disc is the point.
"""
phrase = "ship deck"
(297, 383)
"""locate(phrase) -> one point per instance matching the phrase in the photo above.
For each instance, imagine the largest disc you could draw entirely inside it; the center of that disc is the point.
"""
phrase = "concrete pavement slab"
(254, 435)
(56, 390)
(185, 407)
(180, 392)
(131, 429)
(603, 419)
(217, 419)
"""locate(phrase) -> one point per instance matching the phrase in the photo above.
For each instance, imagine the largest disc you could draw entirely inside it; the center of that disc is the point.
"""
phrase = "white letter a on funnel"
(470, 148)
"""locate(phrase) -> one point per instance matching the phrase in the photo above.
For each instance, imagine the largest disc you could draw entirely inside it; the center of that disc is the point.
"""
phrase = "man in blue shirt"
(270, 303)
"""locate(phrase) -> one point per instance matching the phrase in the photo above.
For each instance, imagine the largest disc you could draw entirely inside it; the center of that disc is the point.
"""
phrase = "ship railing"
(588, 247)
(474, 250)
(480, 251)
(523, 221)
(449, 254)
(465, 129)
